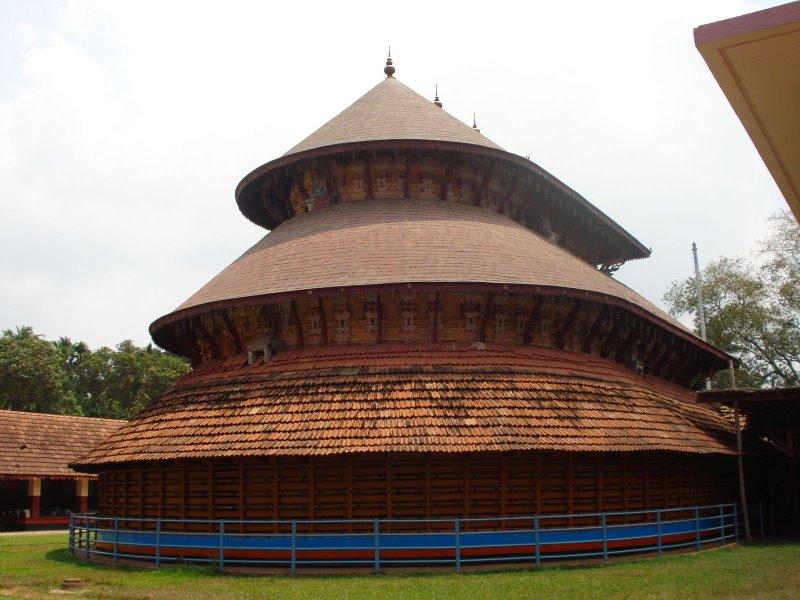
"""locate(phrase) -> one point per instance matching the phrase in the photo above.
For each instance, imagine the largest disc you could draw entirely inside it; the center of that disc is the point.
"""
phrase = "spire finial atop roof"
(436, 100)
(389, 69)
(474, 123)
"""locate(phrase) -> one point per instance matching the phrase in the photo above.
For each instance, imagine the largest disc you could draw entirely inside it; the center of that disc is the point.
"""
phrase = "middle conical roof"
(392, 111)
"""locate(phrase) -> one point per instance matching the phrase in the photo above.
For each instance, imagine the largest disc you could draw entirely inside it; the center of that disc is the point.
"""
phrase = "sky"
(125, 127)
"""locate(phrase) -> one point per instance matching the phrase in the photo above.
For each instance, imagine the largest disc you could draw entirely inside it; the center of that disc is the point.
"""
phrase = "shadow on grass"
(62, 555)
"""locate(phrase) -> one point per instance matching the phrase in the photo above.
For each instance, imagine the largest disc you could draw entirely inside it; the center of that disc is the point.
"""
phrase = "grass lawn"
(32, 565)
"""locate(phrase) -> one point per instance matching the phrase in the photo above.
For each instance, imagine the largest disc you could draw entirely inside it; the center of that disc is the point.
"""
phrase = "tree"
(752, 307)
(119, 383)
(67, 377)
(31, 374)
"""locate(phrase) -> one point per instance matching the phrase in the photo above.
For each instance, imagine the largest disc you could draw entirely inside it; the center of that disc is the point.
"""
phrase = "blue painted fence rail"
(379, 543)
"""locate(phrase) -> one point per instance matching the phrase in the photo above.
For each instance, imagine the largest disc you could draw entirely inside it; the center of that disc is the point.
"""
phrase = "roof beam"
(368, 180)
(210, 339)
(611, 337)
(297, 323)
(330, 181)
(488, 174)
(532, 320)
(486, 312)
(595, 328)
(237, 339)
(566, 326)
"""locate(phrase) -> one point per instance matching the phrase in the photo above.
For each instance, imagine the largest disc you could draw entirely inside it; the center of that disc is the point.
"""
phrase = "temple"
(431, 328)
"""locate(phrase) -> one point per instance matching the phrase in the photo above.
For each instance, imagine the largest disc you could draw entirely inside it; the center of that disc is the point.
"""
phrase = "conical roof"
(392, 111)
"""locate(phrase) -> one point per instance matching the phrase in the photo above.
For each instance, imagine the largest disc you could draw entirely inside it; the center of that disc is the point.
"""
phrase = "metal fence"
(381, 543)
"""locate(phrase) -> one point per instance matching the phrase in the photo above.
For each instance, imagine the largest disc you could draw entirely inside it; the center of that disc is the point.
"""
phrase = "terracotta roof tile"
(416, 397)
(391, 241)
(392, 111)
(37, 444)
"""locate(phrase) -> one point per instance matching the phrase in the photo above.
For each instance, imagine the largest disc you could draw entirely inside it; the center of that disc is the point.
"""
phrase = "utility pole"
(701, 310)
(698, 289)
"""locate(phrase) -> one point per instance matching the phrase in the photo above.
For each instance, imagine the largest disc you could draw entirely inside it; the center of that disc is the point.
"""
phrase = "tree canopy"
(68, 377)
(752, 307)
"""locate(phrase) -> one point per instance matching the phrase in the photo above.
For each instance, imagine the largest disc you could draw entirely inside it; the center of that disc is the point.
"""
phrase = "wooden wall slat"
(416, 485)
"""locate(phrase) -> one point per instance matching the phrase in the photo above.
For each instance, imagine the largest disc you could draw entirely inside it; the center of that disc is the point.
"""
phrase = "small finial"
(389, 69)
(436, 100)
(474, 124)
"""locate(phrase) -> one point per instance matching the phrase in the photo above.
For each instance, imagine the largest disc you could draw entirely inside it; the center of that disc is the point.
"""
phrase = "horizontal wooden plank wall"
(366, 486)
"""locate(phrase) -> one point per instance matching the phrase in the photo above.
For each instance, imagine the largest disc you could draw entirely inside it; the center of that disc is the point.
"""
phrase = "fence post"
(158, 542)
(293, 562)
(536, 548)
(88, 532)
(457, 531)
(71, 537)
(658, 531)
(116, 540)
(736, 522)
(376, 542)
(221, 551)
(605, 537)
(697, 527)
(721, 524)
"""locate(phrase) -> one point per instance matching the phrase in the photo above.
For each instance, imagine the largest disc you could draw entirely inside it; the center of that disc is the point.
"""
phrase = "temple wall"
(416, 485)
(394, 317)
(498, 187)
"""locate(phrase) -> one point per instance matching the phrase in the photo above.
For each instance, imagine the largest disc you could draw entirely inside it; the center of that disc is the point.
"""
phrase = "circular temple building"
(430, 330)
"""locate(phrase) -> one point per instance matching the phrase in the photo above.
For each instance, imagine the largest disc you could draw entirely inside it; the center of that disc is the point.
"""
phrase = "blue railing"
(382, 543)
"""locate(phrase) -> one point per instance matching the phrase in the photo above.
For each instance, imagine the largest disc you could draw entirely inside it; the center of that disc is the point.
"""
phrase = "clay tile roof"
(388, 241)
(392, 111)
(441, 397)
(42, 445)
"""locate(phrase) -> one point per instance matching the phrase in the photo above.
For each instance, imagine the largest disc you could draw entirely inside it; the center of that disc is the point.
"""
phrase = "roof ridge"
(50, 415)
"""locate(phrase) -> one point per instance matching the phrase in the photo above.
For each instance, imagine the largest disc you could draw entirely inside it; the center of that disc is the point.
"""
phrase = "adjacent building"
(38, 488)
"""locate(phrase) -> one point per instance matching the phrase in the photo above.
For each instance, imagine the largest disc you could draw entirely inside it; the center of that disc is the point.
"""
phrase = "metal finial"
(474, 124)
(436, 100)
(389, 69)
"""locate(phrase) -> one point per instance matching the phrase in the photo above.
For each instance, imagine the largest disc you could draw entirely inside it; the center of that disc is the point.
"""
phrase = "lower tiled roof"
(422, 398)
(43, 445)
(415, 397)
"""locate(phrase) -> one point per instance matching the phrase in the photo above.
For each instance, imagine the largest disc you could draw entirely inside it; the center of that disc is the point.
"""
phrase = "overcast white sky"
(125, 127)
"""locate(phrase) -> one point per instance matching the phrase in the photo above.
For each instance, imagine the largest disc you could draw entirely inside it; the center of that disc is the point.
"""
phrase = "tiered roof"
(385, 242)
(393, 116)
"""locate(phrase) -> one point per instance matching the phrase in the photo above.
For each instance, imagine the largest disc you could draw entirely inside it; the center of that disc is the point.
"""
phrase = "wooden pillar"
(428, 490)
(466, 486)
(538, 483)
(503, 483)
(82, 495)
(570, 486)
(275, 498)
(34, 497)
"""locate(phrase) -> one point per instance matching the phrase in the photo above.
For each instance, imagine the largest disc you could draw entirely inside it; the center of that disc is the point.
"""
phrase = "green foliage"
(752, 308)
(31, 375)
(70, 378)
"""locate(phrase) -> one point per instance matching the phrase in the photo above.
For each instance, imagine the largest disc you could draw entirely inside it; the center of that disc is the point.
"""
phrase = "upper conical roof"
(392, 111)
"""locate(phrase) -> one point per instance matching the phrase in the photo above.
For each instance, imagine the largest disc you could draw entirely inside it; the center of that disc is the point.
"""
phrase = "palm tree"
(23, 332)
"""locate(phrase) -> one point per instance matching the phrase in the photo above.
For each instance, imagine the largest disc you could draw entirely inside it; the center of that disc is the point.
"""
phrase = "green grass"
(32, 565)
